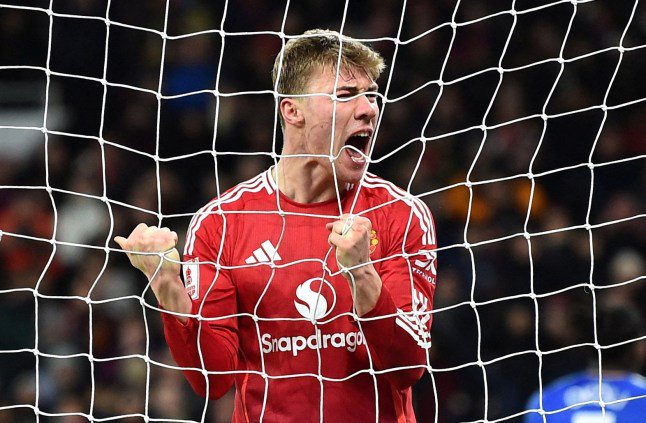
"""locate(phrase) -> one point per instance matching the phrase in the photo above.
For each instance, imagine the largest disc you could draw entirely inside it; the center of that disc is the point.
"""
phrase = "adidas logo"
(265, 253)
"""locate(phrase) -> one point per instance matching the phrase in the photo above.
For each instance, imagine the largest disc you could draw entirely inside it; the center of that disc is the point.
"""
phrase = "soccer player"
(619, 380)
(313, 281)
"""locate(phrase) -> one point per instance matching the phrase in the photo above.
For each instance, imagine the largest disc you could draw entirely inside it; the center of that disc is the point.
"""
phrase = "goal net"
(519, 123)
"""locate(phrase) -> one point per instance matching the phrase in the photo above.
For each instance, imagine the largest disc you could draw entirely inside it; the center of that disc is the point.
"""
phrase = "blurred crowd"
(107, 357)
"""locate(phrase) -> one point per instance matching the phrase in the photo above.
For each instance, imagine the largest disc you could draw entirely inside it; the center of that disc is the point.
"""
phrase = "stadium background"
(561, 259)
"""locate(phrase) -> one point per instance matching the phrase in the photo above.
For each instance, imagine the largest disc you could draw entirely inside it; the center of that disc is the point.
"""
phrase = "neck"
(305, 179)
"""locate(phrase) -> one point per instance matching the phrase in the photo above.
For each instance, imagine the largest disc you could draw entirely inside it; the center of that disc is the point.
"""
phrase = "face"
(356, 116)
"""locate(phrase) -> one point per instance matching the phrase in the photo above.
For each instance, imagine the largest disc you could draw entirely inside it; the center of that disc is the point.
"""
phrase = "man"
(261, 262)
(575, 398)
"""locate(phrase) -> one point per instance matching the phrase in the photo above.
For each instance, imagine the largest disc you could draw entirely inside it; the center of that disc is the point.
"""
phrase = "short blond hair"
(318, 49)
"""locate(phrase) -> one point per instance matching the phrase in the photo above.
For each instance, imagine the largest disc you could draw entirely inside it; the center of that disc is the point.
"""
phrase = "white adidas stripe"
(399, 193)
(253, 185)
(201, 214)
(425, 216)
(423, 341)
(198, 214)
(414, 321)
(266, 176)
(407, 328)
(411, 328)
(265, 253)
(270, 179)
(271, 251)
(416, 325)
(260, 255)
(415, 330)
(419, 208)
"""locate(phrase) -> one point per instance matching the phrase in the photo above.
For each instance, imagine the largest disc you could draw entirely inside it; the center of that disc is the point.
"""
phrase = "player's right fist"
(151, 239)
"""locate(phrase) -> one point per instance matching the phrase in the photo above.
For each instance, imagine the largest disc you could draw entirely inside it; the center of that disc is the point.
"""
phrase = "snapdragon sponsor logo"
(313, 297)
(319, 340)
(313, 303)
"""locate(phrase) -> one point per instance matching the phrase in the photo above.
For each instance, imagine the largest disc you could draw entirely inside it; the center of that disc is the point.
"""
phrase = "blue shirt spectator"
(576, 398)
(583, 387)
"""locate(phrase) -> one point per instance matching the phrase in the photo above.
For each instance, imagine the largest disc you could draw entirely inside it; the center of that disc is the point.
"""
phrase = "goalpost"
(518, 123)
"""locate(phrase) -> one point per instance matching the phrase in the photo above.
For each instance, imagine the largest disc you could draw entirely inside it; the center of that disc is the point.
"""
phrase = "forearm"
(365, 286)
(161, 269)
(171, 294)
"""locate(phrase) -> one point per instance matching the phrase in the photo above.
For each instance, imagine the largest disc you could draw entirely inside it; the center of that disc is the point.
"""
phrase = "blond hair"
(319, 49)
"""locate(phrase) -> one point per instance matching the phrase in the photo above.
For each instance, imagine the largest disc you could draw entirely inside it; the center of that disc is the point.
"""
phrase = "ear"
(290, 109)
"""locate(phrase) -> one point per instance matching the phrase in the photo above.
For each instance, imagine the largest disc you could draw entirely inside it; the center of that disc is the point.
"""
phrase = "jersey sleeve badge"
(191, 270)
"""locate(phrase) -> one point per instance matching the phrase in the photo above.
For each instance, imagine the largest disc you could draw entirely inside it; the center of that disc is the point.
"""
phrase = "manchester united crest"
(373, 241)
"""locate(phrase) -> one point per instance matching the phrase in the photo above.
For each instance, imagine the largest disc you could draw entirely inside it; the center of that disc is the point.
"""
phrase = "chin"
(351, 176)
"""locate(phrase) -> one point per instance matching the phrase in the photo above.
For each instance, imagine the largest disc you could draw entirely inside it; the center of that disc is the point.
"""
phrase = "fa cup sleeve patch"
(192, 278)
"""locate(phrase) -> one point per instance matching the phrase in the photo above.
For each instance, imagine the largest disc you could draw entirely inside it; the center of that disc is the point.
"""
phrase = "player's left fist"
(350, 236)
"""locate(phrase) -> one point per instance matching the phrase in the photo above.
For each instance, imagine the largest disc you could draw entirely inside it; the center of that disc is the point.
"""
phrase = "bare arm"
(217, 341)
(166, 284)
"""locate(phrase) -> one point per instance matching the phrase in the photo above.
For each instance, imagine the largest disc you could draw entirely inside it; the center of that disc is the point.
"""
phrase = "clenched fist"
(350, 237)
(166, 284)
(151, 239)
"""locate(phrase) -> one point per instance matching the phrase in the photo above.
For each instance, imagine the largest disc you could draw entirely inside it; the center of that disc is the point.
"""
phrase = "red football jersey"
(272, 319)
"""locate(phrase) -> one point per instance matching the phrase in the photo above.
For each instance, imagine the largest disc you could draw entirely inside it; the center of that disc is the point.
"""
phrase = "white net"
(519, 123)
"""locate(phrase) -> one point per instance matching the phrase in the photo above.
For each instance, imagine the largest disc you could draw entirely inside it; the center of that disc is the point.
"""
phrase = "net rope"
(531, 175)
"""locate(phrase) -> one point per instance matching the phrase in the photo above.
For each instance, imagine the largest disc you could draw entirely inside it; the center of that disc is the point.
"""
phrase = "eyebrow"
(354, 89)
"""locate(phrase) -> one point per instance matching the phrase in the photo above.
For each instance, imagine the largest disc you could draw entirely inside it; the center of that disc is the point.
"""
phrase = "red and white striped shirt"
(274, 320)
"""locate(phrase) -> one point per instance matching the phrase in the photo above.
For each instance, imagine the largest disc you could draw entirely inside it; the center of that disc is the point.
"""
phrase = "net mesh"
(521, 130)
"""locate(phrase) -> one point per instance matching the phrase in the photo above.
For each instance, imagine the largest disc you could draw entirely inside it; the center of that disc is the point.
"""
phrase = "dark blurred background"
(82, 122)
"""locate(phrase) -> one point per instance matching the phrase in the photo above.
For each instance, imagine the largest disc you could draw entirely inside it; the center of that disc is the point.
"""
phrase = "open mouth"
(359, 146)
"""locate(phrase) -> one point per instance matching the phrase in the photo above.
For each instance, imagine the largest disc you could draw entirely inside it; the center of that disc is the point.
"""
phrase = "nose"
(366, 108)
